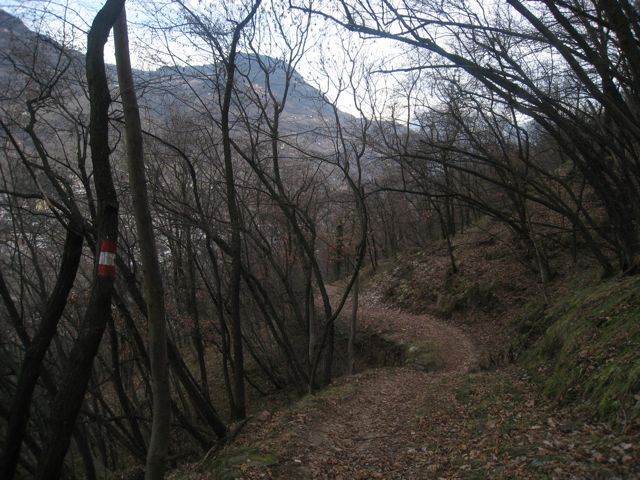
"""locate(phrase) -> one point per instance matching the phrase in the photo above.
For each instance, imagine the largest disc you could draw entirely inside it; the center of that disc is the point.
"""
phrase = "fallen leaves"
(401, 423)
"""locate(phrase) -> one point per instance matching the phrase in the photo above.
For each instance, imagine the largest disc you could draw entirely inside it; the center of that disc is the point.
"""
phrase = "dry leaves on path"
(405, 423)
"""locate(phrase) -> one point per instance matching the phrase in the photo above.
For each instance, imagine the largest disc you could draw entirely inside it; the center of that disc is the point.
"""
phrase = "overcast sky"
(324, 64)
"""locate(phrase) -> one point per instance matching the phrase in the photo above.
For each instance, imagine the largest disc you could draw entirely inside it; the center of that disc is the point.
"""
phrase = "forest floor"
(436, 416)
(450, 402)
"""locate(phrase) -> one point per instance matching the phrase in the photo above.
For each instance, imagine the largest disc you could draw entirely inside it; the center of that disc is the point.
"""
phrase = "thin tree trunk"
(310, 313)
(194, 313)
(330, 348)
(66, 405)
(224, 331)
(152, 277)
(32, 364)
(118, 386)
(352, 327)
(239, 411)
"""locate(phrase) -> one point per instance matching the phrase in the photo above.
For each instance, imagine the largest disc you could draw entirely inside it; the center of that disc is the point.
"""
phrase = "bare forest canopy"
(230, 191)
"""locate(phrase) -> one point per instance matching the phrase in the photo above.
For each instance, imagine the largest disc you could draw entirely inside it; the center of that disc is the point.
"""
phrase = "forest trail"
(437, 416)
(452, 349)
(373, 429)
(372, 424)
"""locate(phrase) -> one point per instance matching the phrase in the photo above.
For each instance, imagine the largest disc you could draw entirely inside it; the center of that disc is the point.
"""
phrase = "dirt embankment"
(434, 416)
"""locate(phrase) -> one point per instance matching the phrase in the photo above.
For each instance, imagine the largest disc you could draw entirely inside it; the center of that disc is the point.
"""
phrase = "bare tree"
(154, 292)
(68, 400)
(588, 110)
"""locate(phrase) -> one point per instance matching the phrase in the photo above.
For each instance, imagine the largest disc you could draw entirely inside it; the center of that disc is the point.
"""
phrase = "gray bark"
(152, 278)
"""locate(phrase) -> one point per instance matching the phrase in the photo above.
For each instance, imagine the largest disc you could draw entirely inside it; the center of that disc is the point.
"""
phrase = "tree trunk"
(66, 405)
(32, 364)
(239, 410)
(351, 367)
(330, 348)
(152, 276)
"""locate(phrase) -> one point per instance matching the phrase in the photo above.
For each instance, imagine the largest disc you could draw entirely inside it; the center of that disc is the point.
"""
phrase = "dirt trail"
(367, 425)
(452, 346)
(406, 423)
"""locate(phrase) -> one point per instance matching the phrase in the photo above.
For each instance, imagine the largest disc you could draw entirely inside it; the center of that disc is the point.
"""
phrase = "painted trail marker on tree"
(107, 259)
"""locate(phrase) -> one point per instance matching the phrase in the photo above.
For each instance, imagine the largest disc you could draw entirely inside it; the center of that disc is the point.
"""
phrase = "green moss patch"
(228, 464)
(423, 356)
(585, 348)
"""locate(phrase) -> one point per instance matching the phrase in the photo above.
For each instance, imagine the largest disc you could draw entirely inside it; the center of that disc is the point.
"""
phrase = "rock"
(263, 416)
(536, 463)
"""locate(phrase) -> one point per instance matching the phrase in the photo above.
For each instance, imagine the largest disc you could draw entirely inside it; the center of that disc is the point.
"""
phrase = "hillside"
(208, 271)
(170, 93)
(495, 385)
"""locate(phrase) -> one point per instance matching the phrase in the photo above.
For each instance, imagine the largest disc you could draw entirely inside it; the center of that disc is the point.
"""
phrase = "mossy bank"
(584, 349)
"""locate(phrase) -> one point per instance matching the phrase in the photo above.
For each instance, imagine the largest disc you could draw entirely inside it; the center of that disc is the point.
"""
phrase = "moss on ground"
(423, 356)
(227, 465)
(585, 348)
(331, 394)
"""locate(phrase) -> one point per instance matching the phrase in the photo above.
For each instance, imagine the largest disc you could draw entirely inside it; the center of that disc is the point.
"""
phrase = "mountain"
(10, 25)
(168, 89)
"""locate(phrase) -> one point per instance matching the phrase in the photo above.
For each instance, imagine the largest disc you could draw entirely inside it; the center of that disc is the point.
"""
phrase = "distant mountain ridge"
(10, 23)
(163, 88)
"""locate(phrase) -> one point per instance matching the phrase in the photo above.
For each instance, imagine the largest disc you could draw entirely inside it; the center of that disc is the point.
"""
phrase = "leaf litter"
(456, 422)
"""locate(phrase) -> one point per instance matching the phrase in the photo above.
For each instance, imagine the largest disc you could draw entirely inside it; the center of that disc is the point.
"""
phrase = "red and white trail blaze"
(107, 260)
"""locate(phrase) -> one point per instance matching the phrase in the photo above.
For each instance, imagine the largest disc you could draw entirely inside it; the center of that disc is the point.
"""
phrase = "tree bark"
(32, 364)
(351, 367)
(235, 220)
(66, 405)
(152, 276)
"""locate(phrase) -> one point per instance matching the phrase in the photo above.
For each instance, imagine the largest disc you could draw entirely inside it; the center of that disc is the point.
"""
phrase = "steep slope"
(434, 416)
(585, 349)
(455, 407)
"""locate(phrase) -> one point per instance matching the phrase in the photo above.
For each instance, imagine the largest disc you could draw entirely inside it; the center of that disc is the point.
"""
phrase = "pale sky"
(324, 65)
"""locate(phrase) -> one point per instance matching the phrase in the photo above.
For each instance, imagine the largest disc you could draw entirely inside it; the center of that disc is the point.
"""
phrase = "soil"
(444, 420)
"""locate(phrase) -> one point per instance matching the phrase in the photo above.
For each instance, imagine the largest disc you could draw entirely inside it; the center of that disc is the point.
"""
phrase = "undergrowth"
(584, 349)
